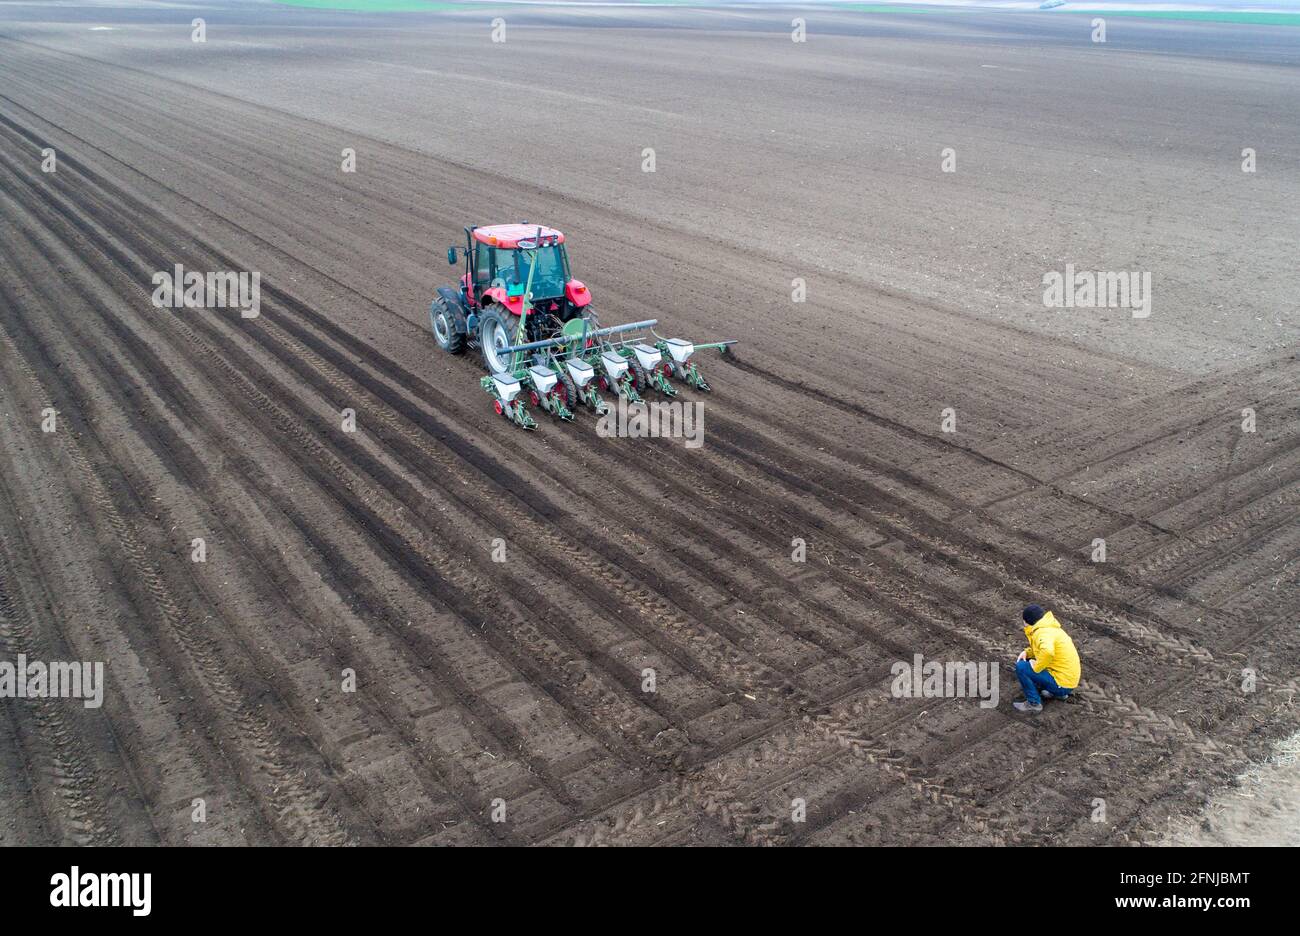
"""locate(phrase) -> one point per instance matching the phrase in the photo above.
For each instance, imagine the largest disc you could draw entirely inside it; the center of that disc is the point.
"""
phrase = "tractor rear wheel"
(444, 328)
(496, 332)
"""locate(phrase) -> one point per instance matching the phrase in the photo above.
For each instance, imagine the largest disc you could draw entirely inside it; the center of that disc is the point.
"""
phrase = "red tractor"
(538, 334)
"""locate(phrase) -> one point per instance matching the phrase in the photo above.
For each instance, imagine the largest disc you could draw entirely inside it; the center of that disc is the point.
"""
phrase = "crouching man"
(1049, 667)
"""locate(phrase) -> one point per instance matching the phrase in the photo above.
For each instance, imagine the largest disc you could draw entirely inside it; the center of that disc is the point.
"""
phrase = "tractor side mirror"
(451, 255)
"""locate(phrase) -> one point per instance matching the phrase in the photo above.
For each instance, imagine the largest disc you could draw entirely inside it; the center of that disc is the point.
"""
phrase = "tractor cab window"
(548, 277)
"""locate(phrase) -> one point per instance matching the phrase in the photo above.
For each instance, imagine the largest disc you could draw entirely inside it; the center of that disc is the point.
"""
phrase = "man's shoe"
(1027, 707)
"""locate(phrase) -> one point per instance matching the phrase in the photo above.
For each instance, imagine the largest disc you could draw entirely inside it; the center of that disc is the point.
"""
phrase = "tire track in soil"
(1157, 413)
(1095, 698)
(1113, 712)
(861, 737)
(1143, 828)
(23, 820)
(1261, 517)
(295, 806)
(67, 787)
(140, 728)
(719, 789)
(843, 728)
(1213, 399)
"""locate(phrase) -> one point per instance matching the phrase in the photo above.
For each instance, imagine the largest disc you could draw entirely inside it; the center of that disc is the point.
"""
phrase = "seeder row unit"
(562, 373)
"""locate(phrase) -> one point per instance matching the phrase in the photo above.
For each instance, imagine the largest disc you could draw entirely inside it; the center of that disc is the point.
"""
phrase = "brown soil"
(480, 682)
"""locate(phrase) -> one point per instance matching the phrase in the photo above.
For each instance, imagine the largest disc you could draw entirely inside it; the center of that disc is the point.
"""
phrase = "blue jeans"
(1032, 683)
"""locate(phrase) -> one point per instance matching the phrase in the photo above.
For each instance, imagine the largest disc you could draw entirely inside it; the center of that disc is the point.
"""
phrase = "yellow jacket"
(1050, 648)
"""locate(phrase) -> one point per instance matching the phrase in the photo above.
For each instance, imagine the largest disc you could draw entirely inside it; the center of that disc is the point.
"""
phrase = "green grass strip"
(1207, 16)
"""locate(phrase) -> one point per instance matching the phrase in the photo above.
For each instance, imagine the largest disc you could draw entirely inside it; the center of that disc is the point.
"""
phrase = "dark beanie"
(1032, 613)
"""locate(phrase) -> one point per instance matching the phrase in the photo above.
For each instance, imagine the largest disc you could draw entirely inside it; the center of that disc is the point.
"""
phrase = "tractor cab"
(498, 260)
